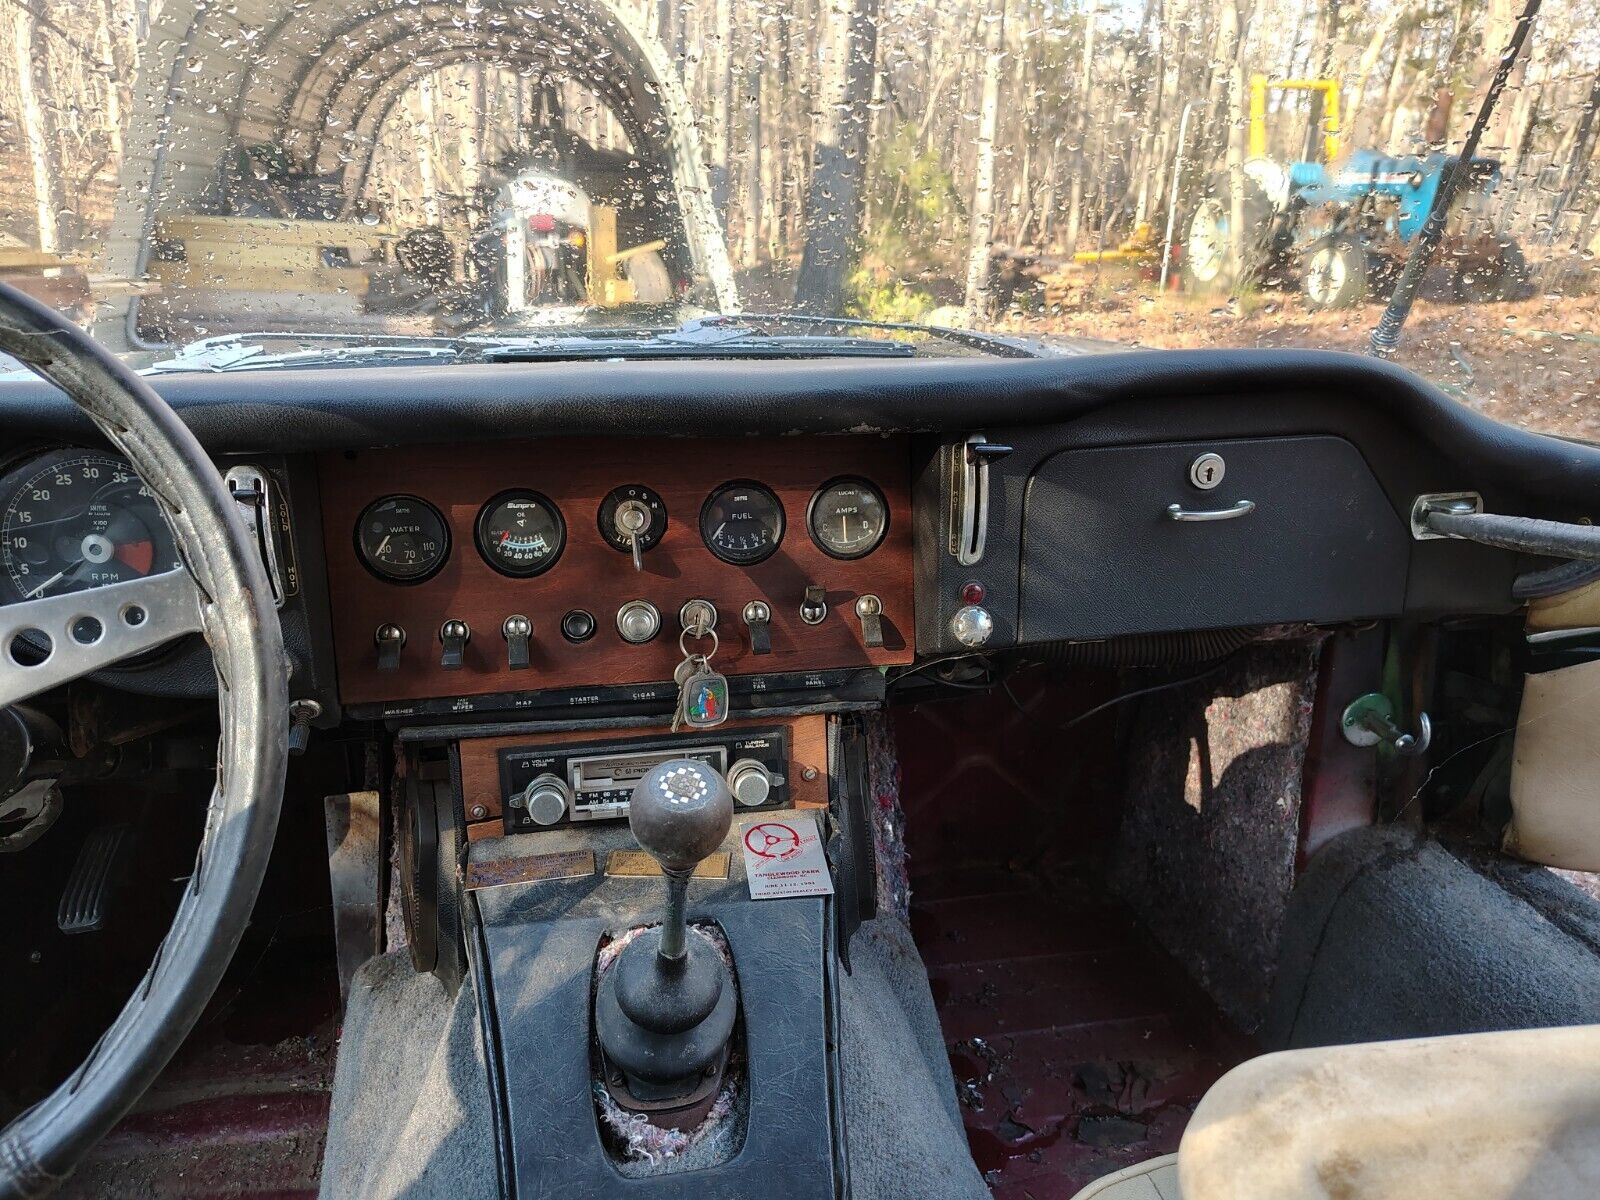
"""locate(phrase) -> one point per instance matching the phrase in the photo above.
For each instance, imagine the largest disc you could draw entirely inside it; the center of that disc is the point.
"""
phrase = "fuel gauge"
(848, 518)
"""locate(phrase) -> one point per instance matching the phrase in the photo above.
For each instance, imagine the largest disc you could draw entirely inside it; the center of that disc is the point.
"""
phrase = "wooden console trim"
(480, 762)
(577, 473)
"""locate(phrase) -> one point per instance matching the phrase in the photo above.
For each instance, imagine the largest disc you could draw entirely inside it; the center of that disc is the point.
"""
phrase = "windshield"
(1074, 176)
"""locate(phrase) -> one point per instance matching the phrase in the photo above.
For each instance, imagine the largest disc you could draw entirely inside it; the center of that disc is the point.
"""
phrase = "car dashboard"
(517, 552)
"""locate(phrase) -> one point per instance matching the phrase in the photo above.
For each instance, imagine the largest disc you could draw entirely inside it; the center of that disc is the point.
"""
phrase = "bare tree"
(980, 235)
(836, 201)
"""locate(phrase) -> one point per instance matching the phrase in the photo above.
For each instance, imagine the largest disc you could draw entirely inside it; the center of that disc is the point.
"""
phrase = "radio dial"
(546, 799)
(750, 782)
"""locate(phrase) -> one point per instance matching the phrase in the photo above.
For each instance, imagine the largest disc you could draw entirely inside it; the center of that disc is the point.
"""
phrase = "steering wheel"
(222, 593)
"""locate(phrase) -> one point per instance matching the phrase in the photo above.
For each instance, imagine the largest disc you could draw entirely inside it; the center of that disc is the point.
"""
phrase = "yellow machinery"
(1141, 246)
(607, 285)
(1328, 89)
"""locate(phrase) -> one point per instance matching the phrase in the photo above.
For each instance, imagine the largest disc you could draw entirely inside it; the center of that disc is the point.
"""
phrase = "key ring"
(716, 643)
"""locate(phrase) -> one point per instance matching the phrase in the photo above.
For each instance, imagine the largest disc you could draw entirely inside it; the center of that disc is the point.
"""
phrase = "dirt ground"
(1534, 363)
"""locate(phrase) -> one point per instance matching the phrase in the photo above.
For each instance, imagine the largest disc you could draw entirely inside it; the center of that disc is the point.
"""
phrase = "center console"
(627, 976)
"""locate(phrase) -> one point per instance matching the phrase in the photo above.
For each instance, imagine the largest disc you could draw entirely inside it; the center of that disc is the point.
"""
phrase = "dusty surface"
(1534, 363)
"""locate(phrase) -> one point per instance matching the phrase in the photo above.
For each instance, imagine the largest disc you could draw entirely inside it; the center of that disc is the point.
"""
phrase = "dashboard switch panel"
(490, 529)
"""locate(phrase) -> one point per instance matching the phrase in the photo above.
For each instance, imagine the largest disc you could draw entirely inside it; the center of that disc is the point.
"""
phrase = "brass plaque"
(638, 863)
(569, 864)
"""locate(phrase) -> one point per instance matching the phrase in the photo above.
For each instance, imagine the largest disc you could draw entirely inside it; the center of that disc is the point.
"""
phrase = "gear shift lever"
(665, 1010)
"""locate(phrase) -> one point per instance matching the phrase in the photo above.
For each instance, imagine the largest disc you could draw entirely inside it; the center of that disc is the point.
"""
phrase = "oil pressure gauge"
(521, 533)
(848, 518)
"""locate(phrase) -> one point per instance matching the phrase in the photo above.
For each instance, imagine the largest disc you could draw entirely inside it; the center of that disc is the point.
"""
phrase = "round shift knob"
(680, 812)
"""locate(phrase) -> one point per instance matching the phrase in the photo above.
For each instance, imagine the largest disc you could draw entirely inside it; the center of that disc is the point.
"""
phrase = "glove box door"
(1128, 539)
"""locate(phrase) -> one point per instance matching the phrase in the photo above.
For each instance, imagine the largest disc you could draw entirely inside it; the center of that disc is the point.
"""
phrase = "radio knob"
(545, 799)
(749, 782)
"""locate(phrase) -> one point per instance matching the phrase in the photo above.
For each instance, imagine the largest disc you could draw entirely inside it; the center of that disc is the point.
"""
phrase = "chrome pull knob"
(972, 625)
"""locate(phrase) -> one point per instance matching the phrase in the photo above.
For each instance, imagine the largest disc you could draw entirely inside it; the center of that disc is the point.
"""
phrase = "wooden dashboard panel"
(576, 473)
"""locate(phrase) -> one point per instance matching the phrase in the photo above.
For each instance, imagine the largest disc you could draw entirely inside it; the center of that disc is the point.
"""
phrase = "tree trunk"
(835, 199)
(980, 225)
(33, 131)
(425, 152)
(1232, 33)
(1080, 123)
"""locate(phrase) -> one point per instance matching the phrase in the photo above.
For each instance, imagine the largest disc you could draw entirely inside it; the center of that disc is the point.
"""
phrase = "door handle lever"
(1179, 513)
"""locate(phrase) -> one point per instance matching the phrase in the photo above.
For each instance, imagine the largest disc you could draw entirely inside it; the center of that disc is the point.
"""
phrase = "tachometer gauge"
(403, 539)
(75, 520)
(742, 523)
(848, 518)
(520, 533)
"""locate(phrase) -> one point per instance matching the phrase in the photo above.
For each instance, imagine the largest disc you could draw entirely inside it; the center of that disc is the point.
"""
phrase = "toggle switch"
(453, 636)
(814, 608)
(516, 630)
(870, 610)
(758, 616)
(390, 640)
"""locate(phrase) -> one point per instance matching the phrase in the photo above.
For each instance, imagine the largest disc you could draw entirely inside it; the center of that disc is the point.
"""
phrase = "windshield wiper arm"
(672, 346)
(989, 343)
(248, 352)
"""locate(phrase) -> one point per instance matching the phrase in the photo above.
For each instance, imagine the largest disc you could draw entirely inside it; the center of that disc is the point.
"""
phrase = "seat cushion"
(1153, 1180)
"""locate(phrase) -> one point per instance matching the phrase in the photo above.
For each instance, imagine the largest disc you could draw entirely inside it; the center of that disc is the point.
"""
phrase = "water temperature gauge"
(402, 539)
(521, 533)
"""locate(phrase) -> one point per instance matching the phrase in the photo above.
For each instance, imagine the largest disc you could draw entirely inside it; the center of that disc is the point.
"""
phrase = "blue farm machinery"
(1340, 225)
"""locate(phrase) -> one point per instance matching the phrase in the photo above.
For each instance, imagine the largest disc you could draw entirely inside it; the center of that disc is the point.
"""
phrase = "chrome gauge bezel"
(376, 569)
(811, 517)
(736, 559)
(30, 470)
(538, 568)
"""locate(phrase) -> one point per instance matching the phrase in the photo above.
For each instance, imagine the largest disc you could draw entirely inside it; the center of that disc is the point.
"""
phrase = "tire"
(1335, 274)
(1501, 277)
(1208, 267)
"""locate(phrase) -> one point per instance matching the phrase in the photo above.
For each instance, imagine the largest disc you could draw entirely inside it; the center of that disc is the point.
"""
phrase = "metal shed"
(322, 75)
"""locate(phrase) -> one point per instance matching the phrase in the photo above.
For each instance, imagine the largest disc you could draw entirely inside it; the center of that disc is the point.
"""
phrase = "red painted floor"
(1078, 1046)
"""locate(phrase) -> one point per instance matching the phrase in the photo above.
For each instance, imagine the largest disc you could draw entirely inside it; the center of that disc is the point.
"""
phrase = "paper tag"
(784, 858)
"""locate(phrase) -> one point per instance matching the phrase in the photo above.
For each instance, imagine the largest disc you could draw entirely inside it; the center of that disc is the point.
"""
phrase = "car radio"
(544, 786)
